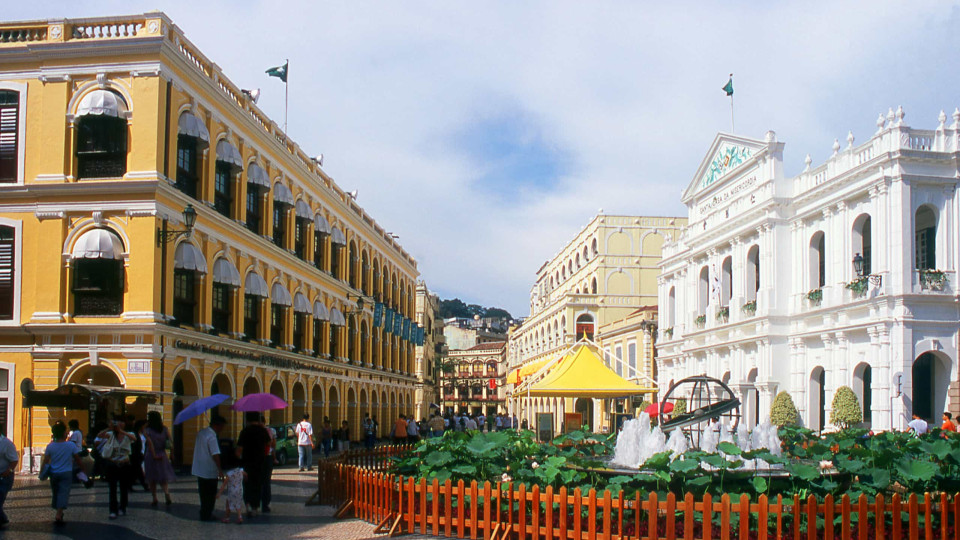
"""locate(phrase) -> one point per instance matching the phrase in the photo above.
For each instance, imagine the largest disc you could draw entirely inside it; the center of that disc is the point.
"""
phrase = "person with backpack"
(305, 443)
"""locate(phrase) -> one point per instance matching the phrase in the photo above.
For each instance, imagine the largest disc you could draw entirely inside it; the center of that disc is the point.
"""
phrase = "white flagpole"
(733, 128)
(286, 95)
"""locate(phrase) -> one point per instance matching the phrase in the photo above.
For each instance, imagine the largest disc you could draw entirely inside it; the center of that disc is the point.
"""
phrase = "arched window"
(321, 232)
(101, 135)
(863, 242)
(258, 183)
(703, 290)
(280, 302)
(320, 317)
(188, 265)
(593, 248)
(671, 308)
(98, 275)
(585, 327)
(352, 262)
(8, 271)
(593, 286)
(9, 136)
(726, 278)
(226, 278)
(254, 291)
(304, 215)
(578, 261)
(192, 138)
(337, 242)
(753, 273)
(818, 397)
(925, 233)
(282, 203)
(818, 268)
(364, 269)
(377, 282)
(301, 310)
(862, 387)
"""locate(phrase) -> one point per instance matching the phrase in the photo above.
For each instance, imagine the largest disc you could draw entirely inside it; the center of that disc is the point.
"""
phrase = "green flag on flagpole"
(281, 72)
(728, 88)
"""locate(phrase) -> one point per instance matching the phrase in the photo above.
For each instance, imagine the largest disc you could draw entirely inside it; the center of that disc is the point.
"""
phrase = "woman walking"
(156, 464)
(60, 456)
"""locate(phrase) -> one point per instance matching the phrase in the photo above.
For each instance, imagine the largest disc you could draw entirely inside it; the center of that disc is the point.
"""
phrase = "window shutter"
(9, 113)
(6, 275)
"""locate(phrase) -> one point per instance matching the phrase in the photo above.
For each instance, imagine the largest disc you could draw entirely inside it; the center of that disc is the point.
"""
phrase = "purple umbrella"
(259, 403)
(199, 407)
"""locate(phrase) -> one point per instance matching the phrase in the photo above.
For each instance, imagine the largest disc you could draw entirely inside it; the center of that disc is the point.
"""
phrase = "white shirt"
(412, 428)
(918, 425)
(304, 434)
(76, 437)
(204, 449)
(273, 439)
(470, 423)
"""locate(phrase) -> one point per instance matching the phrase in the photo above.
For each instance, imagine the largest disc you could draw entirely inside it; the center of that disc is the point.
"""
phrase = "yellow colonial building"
(161, 239)
(604, 275)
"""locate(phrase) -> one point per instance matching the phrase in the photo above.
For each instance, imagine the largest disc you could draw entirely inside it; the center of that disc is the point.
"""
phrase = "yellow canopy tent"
(521, 373)
(581, 373)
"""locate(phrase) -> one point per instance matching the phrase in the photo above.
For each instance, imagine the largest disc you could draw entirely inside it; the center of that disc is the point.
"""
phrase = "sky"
(487, 134)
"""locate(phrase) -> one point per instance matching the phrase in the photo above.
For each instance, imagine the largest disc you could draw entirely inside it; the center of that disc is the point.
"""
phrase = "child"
(232, 484)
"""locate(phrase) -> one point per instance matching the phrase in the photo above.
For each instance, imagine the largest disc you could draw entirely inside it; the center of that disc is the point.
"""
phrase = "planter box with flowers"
(750, 308)
(932, 280)
(700, 321)
(723, 314)
(815, 296)
(859, 286)
(668, 333)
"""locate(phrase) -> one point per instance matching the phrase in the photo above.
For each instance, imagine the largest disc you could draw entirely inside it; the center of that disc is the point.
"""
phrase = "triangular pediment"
(727, 154)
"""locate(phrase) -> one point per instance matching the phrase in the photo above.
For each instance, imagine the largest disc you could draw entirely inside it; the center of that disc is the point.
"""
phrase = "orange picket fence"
(504, 510)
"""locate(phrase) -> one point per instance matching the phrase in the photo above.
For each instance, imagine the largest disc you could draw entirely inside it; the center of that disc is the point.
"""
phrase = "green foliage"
(815, 296)
(783, 412)
(749, 308)
(850, 462)
(458, 308)
(845, 409)
(858, 286)
(679, 407)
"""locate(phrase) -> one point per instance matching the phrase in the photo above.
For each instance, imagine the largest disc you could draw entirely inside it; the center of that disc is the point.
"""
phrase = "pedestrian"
(469, 424)
(344, 436)
(514, 424)
(326, 437)
(413, 430)
(233, 481)
(75, 435)
(305, 443)
(8, 468)
(499, 422)
(400, 430)
(206, 465)
(481, 421)
(436, 425)
(917, 425)
(368, 432)
(948, 425)
(59, 458)
(251, 449)
(156, 463)
(268, 462)
(116, 452)
(136, 454)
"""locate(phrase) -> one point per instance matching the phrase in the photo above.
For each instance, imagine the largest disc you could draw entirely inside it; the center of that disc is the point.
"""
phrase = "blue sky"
(486, 134)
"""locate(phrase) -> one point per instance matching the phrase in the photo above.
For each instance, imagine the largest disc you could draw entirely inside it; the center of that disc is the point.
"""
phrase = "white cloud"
(630, 91)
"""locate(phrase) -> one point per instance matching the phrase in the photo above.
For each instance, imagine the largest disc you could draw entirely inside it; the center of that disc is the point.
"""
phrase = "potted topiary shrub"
(846, 411)
(783, 412)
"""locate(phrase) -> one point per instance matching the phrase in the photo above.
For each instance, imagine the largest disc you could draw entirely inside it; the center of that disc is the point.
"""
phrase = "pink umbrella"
(259, 402)
(655, 409)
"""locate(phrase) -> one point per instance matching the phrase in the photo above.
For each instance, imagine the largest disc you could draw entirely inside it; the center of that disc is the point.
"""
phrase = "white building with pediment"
(762, 289)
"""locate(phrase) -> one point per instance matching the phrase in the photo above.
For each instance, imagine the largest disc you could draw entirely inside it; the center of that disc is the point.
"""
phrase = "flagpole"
(286, 95)
(733, 128)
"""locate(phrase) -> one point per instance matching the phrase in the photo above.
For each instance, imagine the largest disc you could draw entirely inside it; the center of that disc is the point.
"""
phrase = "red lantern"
(493, 384)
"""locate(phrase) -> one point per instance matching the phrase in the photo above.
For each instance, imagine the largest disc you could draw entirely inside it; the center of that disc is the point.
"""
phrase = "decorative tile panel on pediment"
(727, 154)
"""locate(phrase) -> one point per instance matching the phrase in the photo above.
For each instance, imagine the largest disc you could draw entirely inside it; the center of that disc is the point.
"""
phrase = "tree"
(497, 313)
(783, 412)
(846, 410)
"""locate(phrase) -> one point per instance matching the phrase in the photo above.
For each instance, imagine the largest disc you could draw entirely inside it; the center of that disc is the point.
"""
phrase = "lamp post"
(164, 235)
(858, 269)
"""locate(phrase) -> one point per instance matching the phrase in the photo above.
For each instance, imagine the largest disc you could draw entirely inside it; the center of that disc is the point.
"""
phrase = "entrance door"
(584, 406)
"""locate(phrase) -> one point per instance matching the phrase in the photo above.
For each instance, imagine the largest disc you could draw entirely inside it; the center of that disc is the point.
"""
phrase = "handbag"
(44, 472)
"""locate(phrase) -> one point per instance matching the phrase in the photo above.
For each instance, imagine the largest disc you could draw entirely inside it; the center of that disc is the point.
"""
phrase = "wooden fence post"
(652, 511)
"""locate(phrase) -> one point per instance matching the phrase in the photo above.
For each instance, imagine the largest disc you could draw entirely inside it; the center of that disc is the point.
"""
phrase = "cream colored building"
(428, 355)
(606, 273)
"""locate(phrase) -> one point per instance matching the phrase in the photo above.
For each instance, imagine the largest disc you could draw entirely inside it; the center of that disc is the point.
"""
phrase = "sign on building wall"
(388, 320)
(377, 315)
(138, 367)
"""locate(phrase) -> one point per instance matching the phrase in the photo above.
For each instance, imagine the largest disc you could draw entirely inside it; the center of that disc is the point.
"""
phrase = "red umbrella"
(259, 402)
(654, 409)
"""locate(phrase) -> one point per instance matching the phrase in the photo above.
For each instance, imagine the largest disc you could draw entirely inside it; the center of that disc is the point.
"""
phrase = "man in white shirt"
(918, 425)
(206, 465)
(470, 424)
(481, 420)
(8, 464)
(305, 443)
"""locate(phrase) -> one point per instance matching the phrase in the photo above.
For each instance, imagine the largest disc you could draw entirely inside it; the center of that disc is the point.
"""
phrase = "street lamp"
(164, 235)
(858, 268)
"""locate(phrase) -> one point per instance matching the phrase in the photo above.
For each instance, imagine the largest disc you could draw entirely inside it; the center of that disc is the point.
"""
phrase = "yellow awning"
(581, 373)
(521, 373)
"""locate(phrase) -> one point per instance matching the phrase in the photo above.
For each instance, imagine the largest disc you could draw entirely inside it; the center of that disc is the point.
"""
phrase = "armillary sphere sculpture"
(705, 399)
